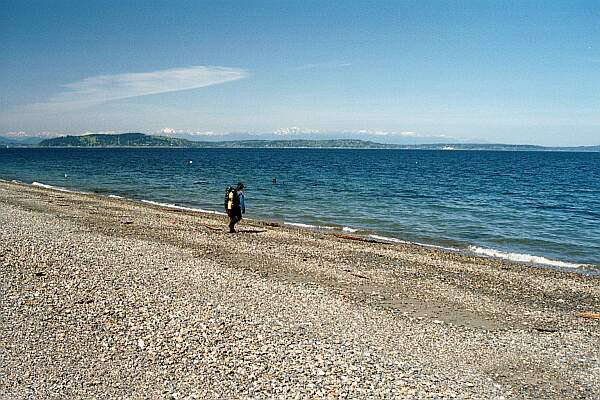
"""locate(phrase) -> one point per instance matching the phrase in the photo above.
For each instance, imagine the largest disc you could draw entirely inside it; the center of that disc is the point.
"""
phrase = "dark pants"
(235, 216)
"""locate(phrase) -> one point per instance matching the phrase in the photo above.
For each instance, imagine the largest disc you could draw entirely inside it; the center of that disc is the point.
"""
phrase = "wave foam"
(396, 240)
(308, 226)
(321, 227)
(169, 205)
(43, 185)
(526, 258)
(114, 196)
(388, 239)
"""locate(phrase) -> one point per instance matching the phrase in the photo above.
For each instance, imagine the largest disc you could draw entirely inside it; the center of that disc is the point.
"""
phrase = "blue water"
(544, 204)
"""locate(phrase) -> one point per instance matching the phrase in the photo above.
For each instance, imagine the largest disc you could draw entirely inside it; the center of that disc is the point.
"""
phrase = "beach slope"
(111, 298)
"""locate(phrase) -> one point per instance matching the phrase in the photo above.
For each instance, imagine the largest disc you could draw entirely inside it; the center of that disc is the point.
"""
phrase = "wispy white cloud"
(100, 89)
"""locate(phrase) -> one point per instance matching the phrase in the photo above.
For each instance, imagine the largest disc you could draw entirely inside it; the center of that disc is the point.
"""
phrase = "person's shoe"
(232, 231)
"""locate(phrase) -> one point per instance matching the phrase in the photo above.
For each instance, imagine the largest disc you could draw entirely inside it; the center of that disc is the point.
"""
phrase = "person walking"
(235, 205)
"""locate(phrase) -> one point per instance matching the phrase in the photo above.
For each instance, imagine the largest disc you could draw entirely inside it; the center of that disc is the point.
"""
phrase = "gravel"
(109, 298)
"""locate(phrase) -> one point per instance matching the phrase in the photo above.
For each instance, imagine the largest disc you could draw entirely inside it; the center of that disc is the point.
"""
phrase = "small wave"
(526, 258)
(169, 205)
(308, 226)
(388, 239)
(114, 196)
(396, 240)
(43, 185)
(322, 227)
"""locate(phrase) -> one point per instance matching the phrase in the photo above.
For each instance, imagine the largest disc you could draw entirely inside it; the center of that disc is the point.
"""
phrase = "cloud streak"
(104, 88)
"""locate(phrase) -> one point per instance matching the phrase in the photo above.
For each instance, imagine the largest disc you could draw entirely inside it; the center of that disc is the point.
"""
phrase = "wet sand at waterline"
(106, 297)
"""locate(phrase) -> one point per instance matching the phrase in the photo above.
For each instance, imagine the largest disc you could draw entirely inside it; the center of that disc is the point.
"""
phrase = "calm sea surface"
(541, 207)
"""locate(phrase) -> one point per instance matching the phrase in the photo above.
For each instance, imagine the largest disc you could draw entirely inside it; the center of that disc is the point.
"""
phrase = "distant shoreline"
(141, 140)
(416, 148)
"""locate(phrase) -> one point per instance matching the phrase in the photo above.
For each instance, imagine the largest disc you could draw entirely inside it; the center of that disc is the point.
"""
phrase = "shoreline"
(440, 147)
(531, 260)
(117, 298)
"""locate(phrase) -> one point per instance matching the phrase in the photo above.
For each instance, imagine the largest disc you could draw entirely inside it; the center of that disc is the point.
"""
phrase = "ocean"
(542, 208)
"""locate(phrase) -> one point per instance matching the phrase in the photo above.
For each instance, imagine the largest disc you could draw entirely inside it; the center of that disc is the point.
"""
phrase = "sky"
(523, 72)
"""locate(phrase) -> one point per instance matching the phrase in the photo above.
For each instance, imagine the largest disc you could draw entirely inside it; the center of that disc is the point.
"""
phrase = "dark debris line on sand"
(115, 299)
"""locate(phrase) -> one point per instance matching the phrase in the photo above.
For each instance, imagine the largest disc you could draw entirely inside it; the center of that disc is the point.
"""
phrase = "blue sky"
(493, 71)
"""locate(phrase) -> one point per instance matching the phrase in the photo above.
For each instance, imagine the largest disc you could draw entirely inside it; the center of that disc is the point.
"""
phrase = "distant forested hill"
(117, 140)
(298, 143)
(143, 140)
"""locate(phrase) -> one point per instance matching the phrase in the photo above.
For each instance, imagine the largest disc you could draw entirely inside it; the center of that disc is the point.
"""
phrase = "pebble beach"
(111, 298)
